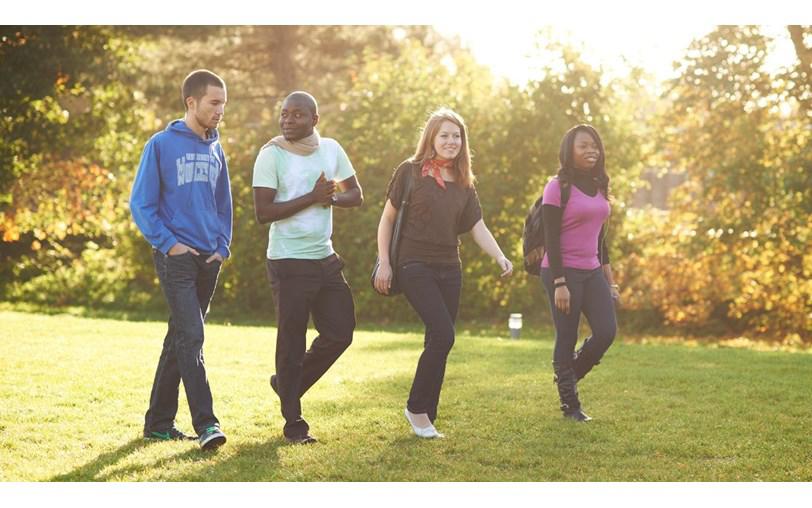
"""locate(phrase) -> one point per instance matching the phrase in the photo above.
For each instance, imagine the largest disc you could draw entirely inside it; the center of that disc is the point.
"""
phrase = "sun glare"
(513, 51)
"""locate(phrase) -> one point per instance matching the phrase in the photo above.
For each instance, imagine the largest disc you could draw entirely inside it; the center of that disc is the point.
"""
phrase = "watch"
(333, 200)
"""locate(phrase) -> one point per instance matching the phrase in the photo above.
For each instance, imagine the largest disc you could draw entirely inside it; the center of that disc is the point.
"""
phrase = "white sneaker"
(425, 432)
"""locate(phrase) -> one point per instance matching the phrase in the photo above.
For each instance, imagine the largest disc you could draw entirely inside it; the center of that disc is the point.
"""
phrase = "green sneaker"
(172, 434)
(211, 438)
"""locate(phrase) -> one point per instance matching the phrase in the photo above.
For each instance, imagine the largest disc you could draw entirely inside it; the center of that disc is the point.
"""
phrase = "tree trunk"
(804, 53)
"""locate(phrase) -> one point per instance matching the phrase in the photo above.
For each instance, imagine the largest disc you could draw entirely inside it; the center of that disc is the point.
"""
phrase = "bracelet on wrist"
(614, 286)
(560, 284)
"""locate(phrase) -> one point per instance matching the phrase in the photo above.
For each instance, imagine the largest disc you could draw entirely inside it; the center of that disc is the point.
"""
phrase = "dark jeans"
(590, 294)
(433, 290)
(303, 287)
(188, 284)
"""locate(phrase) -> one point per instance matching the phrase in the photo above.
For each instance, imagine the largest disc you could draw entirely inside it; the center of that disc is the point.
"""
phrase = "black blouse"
(435, 217)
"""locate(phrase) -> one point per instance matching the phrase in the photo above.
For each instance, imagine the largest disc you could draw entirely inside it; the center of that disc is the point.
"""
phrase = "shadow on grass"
(92, 471)
(390, 452)
(106, 467)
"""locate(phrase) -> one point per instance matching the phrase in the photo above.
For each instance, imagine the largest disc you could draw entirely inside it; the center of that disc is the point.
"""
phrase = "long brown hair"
(425, 147)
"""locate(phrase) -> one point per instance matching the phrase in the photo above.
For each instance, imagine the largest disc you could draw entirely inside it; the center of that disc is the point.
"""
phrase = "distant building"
(660, 185)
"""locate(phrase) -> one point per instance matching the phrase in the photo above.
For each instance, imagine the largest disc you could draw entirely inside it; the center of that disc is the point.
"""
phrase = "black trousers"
(590, 295)
(188, 284)
(301, 288)
(433, 290)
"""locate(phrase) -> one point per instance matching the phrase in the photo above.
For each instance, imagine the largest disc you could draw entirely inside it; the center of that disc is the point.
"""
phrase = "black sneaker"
(172, 434)
(306, 439)
(211, 438)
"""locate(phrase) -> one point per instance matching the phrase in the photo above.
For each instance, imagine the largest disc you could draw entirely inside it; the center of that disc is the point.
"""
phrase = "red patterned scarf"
(433, 167)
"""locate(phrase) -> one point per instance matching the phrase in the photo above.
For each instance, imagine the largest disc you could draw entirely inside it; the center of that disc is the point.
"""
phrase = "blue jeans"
(433, 290)
(590, 294)
(188, 284)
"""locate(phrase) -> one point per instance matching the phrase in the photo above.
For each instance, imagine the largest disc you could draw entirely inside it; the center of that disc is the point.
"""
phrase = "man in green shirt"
(298, 177)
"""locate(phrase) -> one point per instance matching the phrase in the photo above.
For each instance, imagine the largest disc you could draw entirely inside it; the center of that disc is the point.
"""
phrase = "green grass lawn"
(73, 392)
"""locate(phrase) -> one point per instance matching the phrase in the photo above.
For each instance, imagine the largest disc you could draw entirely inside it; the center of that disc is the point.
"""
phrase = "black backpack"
(533, 233)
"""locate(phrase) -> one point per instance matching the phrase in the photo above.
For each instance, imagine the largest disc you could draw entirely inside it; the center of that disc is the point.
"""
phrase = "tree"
(57, 76)
(734, 245)
(801, 77)
(66, 113)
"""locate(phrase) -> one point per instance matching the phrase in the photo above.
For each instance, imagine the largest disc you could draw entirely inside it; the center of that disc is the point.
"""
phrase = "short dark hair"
(307, 99)
(196, 83)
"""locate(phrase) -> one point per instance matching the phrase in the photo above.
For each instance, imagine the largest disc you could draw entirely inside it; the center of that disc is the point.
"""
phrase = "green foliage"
(733, 248)
(735, 244)
(55, 105)
(72, 126)
(96, 277)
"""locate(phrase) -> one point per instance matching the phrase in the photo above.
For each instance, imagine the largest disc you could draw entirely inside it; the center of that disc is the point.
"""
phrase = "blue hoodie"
(182, 191)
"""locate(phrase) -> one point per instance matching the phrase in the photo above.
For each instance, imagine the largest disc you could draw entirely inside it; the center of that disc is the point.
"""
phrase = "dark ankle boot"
(566, 382)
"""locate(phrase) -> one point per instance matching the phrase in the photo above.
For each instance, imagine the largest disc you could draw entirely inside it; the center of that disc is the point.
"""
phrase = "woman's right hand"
(562, 299)
(383, 278)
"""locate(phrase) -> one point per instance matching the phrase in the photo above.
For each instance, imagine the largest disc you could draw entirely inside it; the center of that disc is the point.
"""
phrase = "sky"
(508, 50)
(500, 34)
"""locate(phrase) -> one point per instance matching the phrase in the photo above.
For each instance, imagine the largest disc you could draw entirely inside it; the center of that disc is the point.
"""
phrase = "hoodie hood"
(179, 127)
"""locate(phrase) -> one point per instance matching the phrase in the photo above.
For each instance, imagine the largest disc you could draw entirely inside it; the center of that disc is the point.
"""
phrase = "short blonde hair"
(425, 147)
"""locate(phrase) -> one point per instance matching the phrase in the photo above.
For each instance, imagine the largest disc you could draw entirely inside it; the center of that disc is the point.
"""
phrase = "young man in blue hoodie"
(181, 202)
(298, 178)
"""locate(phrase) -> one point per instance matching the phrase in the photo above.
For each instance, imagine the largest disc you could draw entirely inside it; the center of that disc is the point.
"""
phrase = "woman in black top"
(575, 271)
(443, 205)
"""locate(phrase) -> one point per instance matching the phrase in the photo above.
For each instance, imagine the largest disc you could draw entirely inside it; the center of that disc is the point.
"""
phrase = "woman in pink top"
(575, 270)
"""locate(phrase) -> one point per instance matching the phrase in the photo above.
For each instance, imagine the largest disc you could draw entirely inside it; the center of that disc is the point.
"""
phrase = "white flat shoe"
(425, 432)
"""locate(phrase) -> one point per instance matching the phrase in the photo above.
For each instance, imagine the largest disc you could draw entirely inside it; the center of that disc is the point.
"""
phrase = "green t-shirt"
(306, 234)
